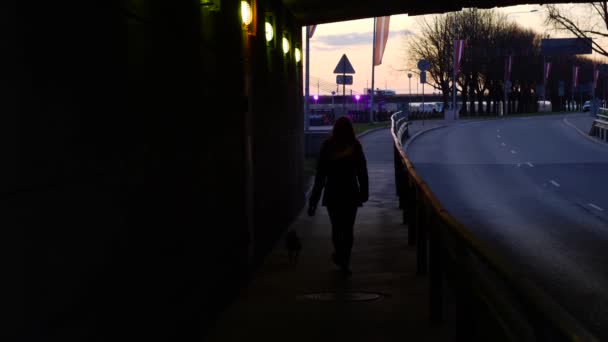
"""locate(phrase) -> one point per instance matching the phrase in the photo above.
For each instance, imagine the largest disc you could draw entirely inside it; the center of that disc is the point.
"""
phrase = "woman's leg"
(342, 223)
(334, 218)
(347, 233)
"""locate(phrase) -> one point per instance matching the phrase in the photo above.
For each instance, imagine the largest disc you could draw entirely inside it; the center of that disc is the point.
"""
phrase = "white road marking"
(498, 136)
(518, 164)
(595, 207)
(503, 144)
(512, 151)
(498, 130)
(554, 183)
(530, 164)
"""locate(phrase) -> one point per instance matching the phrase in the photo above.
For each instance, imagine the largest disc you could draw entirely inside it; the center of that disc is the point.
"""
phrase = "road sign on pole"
(423, 65)
(341, 79)
(344, 66)
(423, 77)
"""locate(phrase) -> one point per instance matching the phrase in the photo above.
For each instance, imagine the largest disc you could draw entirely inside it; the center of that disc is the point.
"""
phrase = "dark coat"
(341, 176)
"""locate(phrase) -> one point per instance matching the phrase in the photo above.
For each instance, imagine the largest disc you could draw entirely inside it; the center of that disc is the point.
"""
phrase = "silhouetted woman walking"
(342, 173)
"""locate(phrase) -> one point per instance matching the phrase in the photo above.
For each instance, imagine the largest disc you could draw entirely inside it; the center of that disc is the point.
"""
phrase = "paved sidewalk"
(294, 302)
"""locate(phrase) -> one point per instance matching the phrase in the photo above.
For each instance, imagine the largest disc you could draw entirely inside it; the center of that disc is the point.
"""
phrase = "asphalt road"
(535, 190)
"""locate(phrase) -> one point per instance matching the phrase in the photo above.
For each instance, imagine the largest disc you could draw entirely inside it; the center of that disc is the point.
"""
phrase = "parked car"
(587, 106)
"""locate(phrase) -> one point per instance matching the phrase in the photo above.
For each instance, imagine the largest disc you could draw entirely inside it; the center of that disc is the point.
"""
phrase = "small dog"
(293, 246)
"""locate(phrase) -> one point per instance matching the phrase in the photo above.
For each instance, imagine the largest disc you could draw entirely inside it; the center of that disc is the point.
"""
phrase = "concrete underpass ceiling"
(309, 12)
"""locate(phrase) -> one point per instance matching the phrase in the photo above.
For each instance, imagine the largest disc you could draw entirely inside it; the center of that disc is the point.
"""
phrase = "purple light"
(357, 97)
(316, 97)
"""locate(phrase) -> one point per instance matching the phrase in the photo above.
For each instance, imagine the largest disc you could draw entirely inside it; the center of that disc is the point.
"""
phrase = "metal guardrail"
(602, 114)
(491, 300)
(599, 128)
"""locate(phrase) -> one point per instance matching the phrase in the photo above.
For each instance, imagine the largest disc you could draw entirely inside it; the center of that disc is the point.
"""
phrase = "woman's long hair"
(343, 133)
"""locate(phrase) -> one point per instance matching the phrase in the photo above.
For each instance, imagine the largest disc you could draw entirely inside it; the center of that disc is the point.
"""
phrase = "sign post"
(344, 67)
(423, 66)
(341, 79)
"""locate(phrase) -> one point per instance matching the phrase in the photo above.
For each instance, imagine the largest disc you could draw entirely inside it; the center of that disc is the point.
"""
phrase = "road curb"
(362, 134)
(567, 122)
(407, 143)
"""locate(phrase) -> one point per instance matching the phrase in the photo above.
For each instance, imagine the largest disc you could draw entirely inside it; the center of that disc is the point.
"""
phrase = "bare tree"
(488, 35)
(491, 38)
(434, 45)
(593, 24)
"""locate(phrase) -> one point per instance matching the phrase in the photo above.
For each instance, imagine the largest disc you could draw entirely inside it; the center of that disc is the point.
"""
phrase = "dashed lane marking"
(554, 183)
(513, 152)
(530, 164)
(595, 207)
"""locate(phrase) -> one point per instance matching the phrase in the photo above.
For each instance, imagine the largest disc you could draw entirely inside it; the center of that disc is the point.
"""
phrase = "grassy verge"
(362, 127)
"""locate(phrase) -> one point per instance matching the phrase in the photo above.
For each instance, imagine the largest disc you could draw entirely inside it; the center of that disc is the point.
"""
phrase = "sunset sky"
(354, 38)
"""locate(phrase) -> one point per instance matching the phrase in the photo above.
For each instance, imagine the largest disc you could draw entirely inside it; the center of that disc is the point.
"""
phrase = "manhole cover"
(342, 297)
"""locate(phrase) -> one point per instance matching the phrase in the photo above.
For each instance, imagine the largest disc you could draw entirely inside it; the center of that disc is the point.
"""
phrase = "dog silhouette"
(294, 245)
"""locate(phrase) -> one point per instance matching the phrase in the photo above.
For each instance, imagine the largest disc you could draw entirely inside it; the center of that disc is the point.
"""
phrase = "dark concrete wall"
(129, 201)
(278, 127)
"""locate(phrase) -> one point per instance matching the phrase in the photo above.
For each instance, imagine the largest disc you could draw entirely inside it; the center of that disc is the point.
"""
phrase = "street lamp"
(357, 97)
(521, 12)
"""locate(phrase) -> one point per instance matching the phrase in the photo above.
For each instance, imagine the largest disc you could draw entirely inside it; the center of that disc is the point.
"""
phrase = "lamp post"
(454, 83)
(409, 104)
(333, 111)
(357, 97)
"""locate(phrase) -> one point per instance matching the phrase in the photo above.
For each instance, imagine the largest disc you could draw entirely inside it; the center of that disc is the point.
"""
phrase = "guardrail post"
(422, 223)
(466, 306)
(401, 185)
(398, 164)
(436, 271)
(407, 200)
(413, 215)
